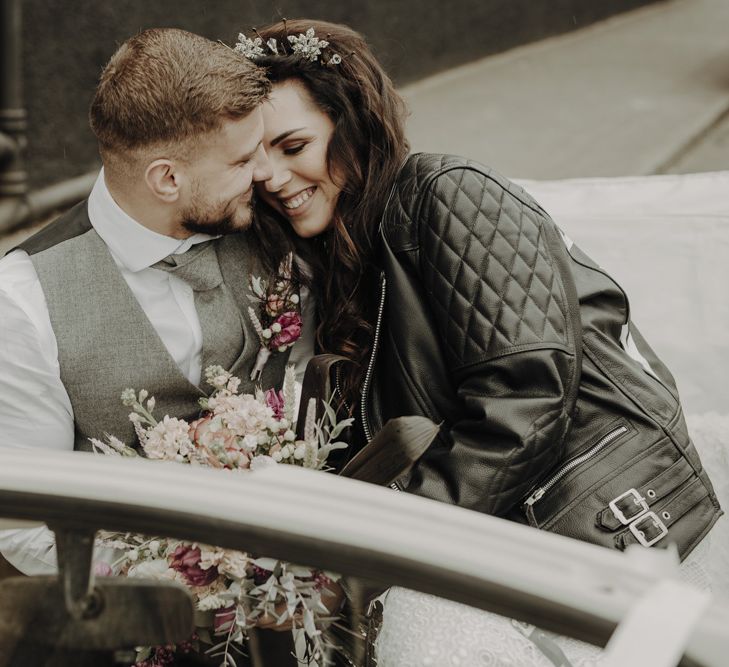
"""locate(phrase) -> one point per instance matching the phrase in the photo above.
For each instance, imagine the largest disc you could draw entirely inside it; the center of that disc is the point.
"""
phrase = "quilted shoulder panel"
(486, 265)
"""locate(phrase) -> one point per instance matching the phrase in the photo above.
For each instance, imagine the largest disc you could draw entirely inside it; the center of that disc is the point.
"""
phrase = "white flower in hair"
(250, 48)
(272, 45)
(307, 45)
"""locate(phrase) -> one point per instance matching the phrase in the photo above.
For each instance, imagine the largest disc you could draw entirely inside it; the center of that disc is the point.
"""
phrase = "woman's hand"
(332, 601)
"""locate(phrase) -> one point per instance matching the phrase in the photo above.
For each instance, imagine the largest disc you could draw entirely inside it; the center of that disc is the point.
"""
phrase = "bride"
(453, 295)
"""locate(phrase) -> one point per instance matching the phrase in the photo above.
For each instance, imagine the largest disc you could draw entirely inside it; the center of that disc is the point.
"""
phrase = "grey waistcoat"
(105, 341)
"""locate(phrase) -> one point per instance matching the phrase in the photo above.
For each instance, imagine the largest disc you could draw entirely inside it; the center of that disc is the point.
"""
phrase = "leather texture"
(510, 339)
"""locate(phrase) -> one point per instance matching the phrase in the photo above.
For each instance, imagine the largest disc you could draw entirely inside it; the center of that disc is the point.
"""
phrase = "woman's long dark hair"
(366, 150)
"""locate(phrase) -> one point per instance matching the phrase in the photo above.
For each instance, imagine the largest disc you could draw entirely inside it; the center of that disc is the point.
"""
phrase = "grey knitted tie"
(220, 317)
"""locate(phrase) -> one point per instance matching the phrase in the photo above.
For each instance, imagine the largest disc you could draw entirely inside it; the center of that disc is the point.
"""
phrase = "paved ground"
(644, 92)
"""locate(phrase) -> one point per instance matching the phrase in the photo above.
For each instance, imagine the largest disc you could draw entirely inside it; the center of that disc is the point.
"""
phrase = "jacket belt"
(668, 513)
(652, 491)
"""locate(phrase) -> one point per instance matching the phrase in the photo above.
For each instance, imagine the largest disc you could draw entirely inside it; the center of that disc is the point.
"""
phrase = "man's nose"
(264, 169)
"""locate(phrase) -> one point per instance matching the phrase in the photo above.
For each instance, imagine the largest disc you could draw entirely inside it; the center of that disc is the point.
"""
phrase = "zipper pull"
(535, 496)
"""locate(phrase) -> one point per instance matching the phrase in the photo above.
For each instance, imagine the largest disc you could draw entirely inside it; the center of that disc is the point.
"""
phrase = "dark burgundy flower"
(223, 619)
(186, 560)
(290, 329)
(260, 575)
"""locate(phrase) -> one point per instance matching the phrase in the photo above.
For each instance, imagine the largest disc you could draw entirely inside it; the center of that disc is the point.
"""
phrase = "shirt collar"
(132, 245)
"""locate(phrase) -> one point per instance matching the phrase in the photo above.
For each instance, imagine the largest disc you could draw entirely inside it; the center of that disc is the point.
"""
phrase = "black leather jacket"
(554, 410)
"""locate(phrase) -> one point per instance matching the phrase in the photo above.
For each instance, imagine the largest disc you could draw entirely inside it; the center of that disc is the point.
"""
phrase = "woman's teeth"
(299, 199)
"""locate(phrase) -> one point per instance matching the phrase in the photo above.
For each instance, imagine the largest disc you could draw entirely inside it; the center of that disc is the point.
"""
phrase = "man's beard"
(196, 220)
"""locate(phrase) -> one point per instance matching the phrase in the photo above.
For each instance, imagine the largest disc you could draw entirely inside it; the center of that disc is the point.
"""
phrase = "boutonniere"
(278, 323)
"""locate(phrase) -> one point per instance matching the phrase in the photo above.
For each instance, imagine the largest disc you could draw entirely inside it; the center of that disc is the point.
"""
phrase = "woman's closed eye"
(294, 149)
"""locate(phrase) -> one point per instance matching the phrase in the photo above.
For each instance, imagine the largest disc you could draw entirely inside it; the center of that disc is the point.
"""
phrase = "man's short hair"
(166, 87)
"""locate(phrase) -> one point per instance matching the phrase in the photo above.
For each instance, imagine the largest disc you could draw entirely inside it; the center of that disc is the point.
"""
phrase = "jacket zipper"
(373, 356)
(575, 462)
(371, 366)
(338, 389)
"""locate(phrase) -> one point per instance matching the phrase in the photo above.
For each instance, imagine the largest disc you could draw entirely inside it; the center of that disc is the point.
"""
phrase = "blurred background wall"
(65, 44)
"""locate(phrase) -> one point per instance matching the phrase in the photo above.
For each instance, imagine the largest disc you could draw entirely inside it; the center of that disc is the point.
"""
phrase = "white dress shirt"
(35, 410)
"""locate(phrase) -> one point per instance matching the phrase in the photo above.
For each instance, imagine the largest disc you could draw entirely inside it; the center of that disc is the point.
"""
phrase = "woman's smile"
(296, 204)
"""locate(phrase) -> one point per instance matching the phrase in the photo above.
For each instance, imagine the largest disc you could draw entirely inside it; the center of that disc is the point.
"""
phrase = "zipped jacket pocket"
(574, 464)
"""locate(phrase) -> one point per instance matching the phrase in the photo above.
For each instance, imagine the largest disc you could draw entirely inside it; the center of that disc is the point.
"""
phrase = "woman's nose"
(278, 178)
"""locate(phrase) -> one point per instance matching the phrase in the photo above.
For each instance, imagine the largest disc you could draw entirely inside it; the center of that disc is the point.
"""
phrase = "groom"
(146, 283)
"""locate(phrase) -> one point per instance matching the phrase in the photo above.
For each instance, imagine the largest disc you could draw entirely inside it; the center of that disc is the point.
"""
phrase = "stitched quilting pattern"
(486, 267)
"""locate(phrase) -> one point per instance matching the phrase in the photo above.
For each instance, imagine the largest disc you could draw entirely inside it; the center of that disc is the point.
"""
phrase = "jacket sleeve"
(488, 266)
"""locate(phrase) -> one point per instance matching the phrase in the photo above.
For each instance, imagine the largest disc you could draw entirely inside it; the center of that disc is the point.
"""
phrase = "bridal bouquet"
(232, 590)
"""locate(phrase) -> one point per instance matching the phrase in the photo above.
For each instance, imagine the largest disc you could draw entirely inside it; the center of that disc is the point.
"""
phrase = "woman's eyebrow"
(283, 135)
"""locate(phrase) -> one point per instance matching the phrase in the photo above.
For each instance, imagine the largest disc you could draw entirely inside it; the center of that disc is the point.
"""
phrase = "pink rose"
(186, 561)
(102, 569)
(200, 429)
(275, 401)
(290, 329)
(203, 433)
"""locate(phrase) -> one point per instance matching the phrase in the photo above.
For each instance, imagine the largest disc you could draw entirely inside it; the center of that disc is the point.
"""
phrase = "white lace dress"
(420, 630)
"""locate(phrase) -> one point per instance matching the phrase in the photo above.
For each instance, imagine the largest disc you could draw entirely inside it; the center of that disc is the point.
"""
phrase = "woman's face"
(296, 137)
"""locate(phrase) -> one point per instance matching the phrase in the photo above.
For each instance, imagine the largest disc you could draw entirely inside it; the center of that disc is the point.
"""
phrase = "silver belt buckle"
(637, 500)
(640, 535)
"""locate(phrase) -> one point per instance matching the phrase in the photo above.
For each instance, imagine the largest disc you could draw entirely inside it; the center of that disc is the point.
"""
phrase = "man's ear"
(163, 179)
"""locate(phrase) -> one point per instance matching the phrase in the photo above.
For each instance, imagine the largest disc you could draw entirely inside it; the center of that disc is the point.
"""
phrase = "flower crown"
(305, 45)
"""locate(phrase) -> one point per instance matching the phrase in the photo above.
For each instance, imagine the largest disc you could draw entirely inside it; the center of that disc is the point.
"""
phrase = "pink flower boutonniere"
(279, 323)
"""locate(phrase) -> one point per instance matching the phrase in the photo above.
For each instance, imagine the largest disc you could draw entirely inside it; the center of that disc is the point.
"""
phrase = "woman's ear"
(163, 179)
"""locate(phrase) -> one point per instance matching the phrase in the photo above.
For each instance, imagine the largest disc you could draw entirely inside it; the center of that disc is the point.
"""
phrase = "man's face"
(221, 177)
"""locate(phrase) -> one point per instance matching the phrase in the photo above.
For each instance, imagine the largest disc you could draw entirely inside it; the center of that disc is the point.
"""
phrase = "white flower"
(168, 438)
(261, 462)
(275, 327)
(276, 456)
(266, 333)
(133, 555)
(242, 414)
(234, 564)
(128, 397)
(217, 376)
(289, 436)
(336, 59)
(250, 442)
(300, 452)
(156, 568)
(294, 298)
(210, 556)
(211, 601)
